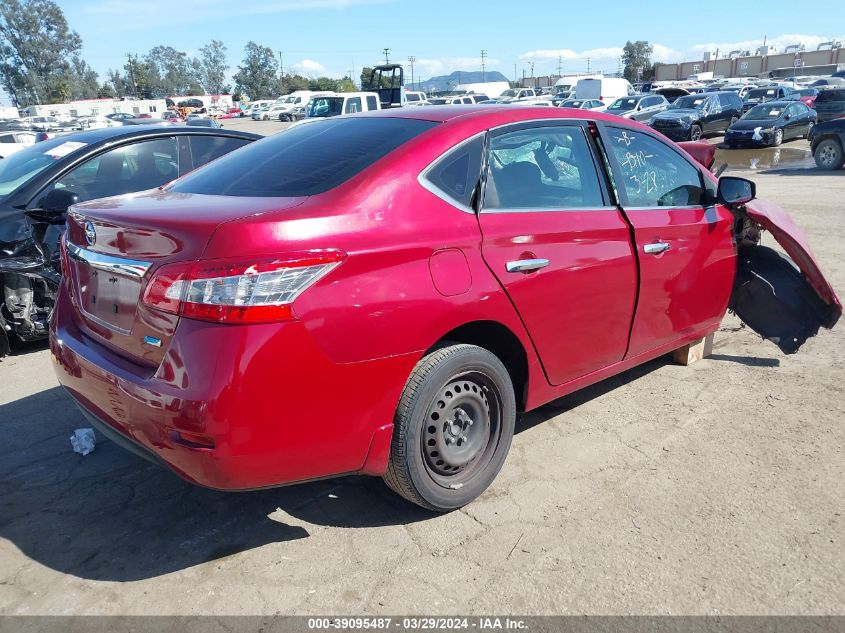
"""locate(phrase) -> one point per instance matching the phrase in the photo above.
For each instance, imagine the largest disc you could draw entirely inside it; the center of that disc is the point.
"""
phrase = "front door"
(559, 248)
(685, 249)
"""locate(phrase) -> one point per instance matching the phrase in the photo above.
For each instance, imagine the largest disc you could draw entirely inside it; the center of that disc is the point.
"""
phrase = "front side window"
(653, 174)
(126, 169)
(542, 168)
(457, 174)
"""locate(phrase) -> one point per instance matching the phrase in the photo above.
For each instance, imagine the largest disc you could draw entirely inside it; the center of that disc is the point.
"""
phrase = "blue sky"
(330, 36)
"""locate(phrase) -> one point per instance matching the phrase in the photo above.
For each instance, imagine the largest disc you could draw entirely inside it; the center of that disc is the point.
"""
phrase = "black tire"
(695, 132)
(778, 139)
(459, 400)
(829, 155)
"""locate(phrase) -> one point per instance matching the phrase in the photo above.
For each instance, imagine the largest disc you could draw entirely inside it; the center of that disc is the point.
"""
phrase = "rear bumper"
(276, 409)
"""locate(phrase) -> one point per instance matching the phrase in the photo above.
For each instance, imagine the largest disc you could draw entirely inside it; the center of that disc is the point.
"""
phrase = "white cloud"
(310, 68)
(810, 43)
(425, 68)
(546, 60)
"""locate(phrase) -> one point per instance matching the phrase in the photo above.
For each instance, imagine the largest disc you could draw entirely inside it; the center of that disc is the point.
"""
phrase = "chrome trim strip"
(586, 209)
(129, 267)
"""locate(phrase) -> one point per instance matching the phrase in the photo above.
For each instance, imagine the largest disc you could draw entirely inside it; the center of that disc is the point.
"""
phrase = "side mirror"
(59, 200)
(53, 206)
(735, 191)
(786, 117)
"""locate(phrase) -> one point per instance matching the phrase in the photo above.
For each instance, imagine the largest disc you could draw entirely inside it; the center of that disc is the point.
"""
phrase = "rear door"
(685, 250)
(559, 248)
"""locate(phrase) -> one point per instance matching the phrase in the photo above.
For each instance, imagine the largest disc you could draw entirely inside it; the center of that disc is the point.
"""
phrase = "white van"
(337, 103)
(605, 89)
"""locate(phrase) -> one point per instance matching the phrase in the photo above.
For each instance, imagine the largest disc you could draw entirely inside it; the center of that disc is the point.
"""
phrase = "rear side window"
(205, 149)
(372, 104)
(305, 160)
(542, 168)
(457, 173)
(830, 96)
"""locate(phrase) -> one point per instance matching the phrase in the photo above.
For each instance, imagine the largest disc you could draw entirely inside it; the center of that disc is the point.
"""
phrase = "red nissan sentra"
(381, 293)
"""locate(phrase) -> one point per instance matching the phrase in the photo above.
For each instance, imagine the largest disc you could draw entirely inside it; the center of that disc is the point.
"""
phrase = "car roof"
(779, 102)
(105, 134)
(498, 114)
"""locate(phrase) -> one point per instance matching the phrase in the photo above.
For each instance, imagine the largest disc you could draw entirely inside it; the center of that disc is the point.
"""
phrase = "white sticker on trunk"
(64, 149)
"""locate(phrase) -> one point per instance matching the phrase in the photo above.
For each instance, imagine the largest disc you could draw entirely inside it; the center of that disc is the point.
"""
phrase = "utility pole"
(483, 66)
(532, 69)
(560, 65)
(588, 65)
(386, 52)
(281, 66)
(411, 61)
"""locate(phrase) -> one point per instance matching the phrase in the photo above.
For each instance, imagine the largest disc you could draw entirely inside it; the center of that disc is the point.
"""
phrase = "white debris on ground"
(83, 441)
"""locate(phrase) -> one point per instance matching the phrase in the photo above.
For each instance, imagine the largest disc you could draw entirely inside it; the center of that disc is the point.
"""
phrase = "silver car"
(638, 107)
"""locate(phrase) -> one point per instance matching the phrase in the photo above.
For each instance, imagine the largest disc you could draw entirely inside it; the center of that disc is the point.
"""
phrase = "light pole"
(483, 65)
(411, 60)
(281, 66)
(386, 52)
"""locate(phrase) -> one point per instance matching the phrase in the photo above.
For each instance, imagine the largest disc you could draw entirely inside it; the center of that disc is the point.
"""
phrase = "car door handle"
(526, 265)
(656, 248)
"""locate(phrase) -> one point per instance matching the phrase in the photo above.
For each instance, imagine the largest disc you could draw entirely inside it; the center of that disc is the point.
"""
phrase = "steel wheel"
(829, 154)
(453, 428)
(778, 138)
(462, 420)
(809, 129)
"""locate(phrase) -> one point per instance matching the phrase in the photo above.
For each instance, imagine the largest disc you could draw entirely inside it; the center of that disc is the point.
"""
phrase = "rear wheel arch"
(499, 340)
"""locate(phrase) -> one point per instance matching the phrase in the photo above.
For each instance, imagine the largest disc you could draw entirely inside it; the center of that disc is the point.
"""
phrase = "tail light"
(238, 291)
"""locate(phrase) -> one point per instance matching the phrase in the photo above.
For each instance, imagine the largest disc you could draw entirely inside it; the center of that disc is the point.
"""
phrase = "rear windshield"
(827, 96)
(305, 160)
(761, 112)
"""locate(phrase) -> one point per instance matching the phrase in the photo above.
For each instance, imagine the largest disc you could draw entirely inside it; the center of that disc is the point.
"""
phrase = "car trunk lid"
(115, 245)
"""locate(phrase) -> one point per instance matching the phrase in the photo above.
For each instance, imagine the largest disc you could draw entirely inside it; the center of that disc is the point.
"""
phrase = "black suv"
(827, 141)
(690, 117)
(830, 103)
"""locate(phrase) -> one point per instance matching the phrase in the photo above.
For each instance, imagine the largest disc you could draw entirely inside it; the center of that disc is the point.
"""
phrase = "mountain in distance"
(443, 83)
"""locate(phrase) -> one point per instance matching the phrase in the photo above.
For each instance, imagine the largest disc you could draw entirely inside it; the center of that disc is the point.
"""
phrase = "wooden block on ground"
(695, 351)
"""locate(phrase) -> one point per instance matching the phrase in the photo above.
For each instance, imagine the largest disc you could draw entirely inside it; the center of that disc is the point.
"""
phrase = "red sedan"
(382, 293)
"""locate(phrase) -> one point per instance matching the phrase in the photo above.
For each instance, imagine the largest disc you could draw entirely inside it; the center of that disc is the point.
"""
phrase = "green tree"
(346, 85)
(36, 50)
(213, 67)
(84, 82)
(290, 83)
(171, 72)
(636, 56)
(105, 91)
(256, 76)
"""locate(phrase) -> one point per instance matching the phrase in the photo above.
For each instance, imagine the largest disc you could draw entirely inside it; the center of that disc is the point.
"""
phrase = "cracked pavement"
(710, 489)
